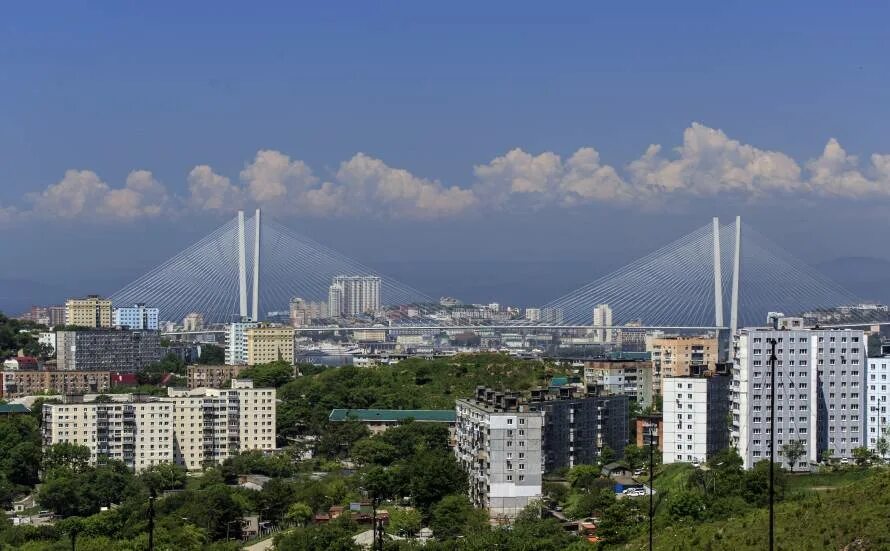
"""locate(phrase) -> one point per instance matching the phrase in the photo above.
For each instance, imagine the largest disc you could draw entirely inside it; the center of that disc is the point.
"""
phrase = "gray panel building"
(577, 427)
(119, 350)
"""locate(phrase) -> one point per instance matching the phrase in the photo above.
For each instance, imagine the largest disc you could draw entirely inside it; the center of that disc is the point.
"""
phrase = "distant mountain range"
(867, 276)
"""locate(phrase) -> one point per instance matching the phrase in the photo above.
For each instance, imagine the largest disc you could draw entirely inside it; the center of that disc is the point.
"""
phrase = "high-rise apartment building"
(695, 410)
(302, 312)
(677, 356)
(578, 427)
(56, 315)
(91, 311)
(359, 294)
(820, 393)
(498, 444)
(236, 342)
(211, 425)
(602, 317)
(878, 422)
(121, 350)
(192, 428)
(631, 378)
(140, 434)
(335, 300)
(269, 343)
(136, 317)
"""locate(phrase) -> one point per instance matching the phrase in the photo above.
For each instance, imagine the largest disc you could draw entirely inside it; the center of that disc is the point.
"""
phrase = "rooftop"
(394, 415)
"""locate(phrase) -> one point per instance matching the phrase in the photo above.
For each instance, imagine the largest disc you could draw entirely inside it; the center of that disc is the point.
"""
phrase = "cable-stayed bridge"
(717, 276)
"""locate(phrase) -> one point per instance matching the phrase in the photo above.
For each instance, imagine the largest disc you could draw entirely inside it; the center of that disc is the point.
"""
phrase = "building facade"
(360, 294)
(121, 350)
(878, 422)
(577, 427)
(212, 376)
(498, 444)
(269, 344)
(193, 321)
(211, 425)
(137, 316)
(140, 434)
(631, 378)
(676, 356)
(602, 317)
(91, 311)
(820, 393)
(695, 417)
(16, 384)
(236, 342)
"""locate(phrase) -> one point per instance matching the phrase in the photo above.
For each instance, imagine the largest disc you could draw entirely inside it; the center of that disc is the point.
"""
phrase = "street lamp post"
(772, 441)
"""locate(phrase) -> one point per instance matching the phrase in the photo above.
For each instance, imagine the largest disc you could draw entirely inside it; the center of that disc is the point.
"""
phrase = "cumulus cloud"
(210, 191)
(273, 178)
(707, 163)
(81, 193)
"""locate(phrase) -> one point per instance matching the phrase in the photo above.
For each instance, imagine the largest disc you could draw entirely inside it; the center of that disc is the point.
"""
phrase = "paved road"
(264, 545)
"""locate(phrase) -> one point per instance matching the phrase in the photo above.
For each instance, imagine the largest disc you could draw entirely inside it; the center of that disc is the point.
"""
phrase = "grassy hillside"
(853, 516)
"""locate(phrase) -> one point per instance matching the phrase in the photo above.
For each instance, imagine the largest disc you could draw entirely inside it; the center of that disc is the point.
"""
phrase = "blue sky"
(436, 97)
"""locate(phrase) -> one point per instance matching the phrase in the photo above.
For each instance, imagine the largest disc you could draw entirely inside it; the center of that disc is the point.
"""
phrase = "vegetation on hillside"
(17, 335)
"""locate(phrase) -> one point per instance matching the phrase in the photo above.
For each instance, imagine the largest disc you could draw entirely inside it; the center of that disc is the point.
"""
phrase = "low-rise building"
(16, 384)
(498, 444)
(211, 376)
(137, 316)
(378, 420)
(650, 428)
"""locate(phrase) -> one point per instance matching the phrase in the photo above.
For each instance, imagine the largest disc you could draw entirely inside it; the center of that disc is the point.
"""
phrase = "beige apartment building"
(211, 425)
(674, 356)
(91, 311)
(16, 384)
(212, 376)
(138, 433)
(269, 343)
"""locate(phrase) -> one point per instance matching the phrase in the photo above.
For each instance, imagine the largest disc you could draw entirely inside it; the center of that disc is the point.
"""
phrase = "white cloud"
(272, 178)
(81, 193)
(210, 191)
(710, 163)
(368, 184)
(707, 163)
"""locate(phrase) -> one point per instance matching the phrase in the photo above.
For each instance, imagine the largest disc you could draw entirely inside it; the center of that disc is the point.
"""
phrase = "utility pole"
(651, 484)
(772, 441)
(151, 521)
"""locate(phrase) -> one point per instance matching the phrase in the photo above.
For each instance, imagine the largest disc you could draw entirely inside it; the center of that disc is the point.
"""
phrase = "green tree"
(636, 456)
(274, 374)
(685, 505)
(583, 477)
(433, 475)
(793, 451)
(619, 521)
(607, 455)
(66, 455)
(163, 477)
(275, 498)
(299, 513)
(211, 355)
(72, 527)
(404, 522)
(863, 456)
(454, 516)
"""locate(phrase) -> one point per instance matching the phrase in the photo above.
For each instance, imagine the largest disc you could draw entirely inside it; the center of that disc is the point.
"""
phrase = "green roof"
(394, 415)
(6, 409)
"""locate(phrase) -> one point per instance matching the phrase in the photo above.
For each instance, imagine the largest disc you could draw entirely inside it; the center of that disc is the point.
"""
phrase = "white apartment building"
(533, 314)
(358, 294)
(820, 393)
(136, 317)
(138, 433)
(210, 425)
(236, 342)
(878, 381)
(602, 317)
(498, 444)
(694, 422)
